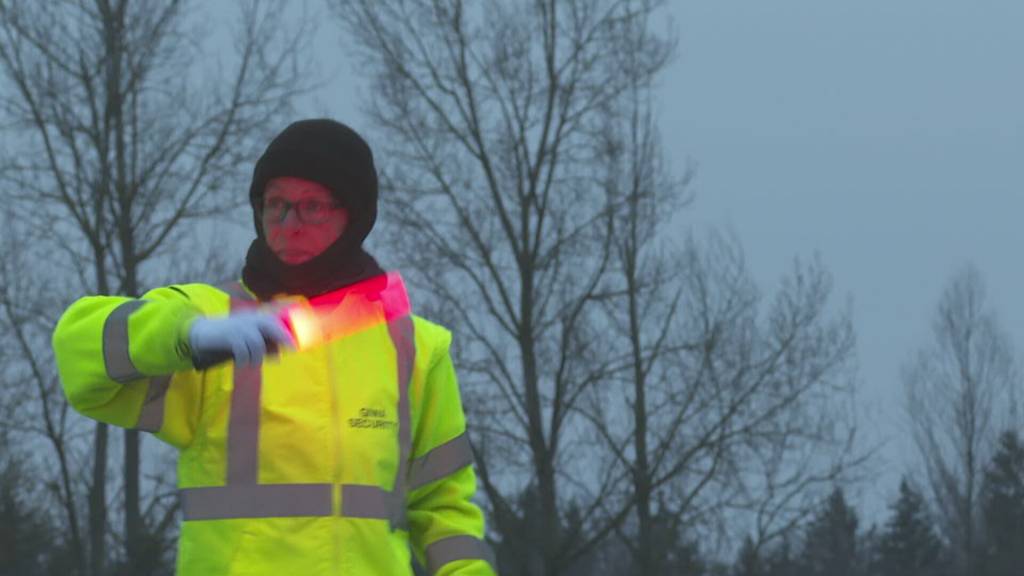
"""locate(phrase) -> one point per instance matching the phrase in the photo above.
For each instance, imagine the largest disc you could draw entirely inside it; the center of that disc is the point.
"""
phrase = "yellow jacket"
(328, 461)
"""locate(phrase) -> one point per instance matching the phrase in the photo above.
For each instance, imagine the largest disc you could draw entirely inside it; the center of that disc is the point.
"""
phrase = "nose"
(291, 218)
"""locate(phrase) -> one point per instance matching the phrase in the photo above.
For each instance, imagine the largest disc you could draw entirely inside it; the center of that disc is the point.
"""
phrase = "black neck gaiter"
(340, 265)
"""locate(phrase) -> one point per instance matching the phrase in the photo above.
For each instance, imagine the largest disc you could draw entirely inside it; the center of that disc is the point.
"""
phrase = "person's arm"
(446, 527)
(127, 362)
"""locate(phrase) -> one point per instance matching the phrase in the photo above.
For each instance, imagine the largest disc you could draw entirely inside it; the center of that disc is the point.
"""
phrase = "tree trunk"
(98, 503)
(641, 471)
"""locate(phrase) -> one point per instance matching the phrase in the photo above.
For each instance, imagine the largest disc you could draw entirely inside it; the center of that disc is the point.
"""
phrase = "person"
(329, 459)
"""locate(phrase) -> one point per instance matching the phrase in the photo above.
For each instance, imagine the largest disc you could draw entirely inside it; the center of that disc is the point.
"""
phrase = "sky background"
(884, 136)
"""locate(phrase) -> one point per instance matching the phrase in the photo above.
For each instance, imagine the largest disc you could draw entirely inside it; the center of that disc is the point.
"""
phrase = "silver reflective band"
(256, 501)
(279, 500)
(455, 548)
(243, 448)
(116, 357)
(366, 501)
(151, 417)
(403, 338)
(444, 460)
(243, 451)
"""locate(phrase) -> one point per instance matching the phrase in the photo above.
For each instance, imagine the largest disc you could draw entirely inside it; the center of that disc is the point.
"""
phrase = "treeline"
(835, 541)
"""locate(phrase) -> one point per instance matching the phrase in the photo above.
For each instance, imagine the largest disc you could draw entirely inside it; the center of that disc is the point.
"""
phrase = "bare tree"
(641, 299)
(790, 386)
(726, 408)
(27, 303)
(489, 116)
(738, 417)
(959, 394)
(119, 141)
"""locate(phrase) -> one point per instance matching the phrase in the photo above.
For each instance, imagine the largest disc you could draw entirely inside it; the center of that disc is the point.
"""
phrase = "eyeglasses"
(308, 211)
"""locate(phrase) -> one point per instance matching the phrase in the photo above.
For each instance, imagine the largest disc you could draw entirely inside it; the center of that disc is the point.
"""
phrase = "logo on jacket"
(374, 418)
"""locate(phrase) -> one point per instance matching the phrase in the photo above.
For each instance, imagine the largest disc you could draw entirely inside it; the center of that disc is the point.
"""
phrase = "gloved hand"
(245, 336)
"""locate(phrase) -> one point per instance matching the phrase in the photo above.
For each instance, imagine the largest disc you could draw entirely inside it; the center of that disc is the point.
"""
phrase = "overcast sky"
(885, 136)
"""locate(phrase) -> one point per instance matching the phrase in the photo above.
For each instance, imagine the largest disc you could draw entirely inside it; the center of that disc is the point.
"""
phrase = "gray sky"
(885, 136)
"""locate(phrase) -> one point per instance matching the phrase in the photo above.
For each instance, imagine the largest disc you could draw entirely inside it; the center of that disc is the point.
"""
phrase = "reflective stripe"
(455, 548)
(151, 418)
(256, 501)
(444, 460)
(367, 501)
(401, 331)
(277, 500)
(244, 421)
(116, 357)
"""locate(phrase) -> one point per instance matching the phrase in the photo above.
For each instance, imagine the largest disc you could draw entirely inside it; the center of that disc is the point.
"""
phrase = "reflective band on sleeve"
(446, 459)
(116, 357)
(151, 418)
(244, 419)
(366, 501)
(256, 501)
(401, 331)
(455, 548)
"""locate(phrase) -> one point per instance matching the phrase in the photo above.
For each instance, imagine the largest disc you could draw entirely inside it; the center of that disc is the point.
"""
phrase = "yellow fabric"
(325, 417)
(154, 331)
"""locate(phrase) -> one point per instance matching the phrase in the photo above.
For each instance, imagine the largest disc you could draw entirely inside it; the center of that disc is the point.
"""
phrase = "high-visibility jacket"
(331, 460)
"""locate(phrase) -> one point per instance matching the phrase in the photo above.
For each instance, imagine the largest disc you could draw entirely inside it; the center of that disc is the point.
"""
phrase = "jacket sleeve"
(126, 362)
(446, 527)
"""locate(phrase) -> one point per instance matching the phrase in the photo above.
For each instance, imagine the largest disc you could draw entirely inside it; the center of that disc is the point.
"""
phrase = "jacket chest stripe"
(285, 500)
(401, 331)
(365, 501)
(244, 420)
(256, 501)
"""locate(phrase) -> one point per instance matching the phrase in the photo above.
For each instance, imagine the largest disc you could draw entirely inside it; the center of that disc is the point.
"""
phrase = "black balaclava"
(332, 154)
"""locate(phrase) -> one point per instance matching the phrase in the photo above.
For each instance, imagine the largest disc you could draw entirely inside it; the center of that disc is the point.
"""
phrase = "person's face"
(296, 240)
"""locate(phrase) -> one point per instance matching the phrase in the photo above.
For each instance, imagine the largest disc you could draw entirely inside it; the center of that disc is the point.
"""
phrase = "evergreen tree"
(830, 547)
(26, 542)
(781, 562)
(749, 562)
(517, 551)
(680, 555)
(909, 546)
(1002, 500)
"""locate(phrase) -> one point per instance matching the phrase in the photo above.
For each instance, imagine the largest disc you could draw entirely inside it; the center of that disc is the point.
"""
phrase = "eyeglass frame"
(288, 206)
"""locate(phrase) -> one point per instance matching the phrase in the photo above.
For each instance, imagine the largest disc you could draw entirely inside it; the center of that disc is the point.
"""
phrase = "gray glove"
(244, 336)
